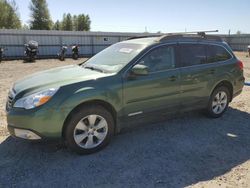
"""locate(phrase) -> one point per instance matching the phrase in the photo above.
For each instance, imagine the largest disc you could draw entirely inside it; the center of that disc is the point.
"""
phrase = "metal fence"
(90, 43)
(238, 42)
(50, 42)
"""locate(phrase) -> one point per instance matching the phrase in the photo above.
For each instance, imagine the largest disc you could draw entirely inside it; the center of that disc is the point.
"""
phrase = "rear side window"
(192, 54)
(217, 53)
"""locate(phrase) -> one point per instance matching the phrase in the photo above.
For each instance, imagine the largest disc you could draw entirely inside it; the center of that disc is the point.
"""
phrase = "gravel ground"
(187, 151)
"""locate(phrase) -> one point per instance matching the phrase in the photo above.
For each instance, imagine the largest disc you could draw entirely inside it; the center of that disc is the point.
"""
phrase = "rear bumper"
(237, 93)
(238, 86)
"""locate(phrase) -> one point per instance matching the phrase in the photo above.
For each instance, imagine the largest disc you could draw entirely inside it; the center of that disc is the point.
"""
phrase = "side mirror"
(139, 70)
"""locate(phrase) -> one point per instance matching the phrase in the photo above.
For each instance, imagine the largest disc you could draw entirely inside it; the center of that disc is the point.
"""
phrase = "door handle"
(172, 78)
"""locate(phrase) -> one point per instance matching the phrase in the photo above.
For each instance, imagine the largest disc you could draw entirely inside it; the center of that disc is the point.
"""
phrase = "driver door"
(157, 90)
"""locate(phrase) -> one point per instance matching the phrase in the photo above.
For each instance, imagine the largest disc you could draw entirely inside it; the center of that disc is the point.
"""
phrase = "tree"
(25, 27)
(238, 32)
(57, 25)
(9, 18)
(67, 23)
(75, 22)
(79, 22)
(83, 23)
(40, 16)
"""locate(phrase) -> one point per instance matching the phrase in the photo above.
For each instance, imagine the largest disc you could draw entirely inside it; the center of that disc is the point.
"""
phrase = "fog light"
(26, 134)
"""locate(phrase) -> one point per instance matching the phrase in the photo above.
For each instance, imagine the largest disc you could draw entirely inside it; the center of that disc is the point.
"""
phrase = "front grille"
(10, 99)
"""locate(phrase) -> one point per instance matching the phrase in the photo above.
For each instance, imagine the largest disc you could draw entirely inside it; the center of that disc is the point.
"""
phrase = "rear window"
(192, 54)
(217, 53)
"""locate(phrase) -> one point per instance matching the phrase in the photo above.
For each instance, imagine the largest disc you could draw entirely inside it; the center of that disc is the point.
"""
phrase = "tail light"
(240, 64)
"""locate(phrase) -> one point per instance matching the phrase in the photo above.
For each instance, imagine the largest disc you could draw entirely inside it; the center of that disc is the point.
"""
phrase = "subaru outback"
(130, 81)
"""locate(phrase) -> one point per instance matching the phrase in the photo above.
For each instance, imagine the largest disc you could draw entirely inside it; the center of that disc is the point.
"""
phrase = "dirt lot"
(190, 150)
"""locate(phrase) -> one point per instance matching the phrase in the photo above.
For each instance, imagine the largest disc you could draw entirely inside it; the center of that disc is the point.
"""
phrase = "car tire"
(218, 102)
(89, 130)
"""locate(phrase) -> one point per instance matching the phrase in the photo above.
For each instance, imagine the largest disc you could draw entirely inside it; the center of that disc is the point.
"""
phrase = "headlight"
(36, 99)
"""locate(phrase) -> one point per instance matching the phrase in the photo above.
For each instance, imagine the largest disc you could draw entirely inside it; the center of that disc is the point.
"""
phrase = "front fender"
(87, 94)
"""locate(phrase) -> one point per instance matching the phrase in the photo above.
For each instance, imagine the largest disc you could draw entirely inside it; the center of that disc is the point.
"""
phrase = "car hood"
(56, 77)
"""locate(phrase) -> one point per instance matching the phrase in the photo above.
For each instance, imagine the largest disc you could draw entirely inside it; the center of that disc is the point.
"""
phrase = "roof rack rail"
(142, 36)
(178, 35)
(192, 34)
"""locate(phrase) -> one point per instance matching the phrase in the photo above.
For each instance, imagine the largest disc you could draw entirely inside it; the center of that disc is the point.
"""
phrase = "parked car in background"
(129, 82)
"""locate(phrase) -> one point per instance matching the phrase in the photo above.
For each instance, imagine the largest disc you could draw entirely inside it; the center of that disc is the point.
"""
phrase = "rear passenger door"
(196, 75)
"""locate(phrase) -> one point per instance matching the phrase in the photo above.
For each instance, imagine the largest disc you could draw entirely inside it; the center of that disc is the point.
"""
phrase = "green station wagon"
(131, 81)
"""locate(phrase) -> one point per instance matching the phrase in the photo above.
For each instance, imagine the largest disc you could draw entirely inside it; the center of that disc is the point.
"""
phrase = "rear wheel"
(89, 130)
(218, 102)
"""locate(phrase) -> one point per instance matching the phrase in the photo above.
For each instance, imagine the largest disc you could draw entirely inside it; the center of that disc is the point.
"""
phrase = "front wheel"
(89, 130)
(218, 102)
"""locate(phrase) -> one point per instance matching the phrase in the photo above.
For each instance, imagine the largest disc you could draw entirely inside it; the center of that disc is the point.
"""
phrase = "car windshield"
(114, 58)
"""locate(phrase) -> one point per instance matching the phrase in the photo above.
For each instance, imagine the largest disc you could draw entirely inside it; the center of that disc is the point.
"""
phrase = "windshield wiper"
(93, 68)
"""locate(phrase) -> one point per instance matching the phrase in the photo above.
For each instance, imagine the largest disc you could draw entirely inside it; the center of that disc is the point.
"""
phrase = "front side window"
(217, 53)
(192, 54)
(159, 59)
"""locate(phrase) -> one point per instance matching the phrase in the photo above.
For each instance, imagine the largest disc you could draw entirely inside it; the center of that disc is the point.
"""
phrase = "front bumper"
(38, 123)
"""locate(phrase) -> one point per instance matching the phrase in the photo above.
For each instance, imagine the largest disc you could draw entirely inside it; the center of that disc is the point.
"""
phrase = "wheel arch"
(226, 84)
(102, 103)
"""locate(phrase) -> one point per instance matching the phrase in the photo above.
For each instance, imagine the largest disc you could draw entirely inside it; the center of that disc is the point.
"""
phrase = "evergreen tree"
(75, 22)
(25, 27)
(67, 23)
(9, 18)
(83, 23)
(57, 25)
(40, 16)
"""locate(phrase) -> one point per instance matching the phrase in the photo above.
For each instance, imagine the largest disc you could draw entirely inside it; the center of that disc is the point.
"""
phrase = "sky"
(153, 15)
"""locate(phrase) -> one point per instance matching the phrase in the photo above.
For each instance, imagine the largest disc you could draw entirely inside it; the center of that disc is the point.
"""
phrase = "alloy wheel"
(219, 102)
(90, 131)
